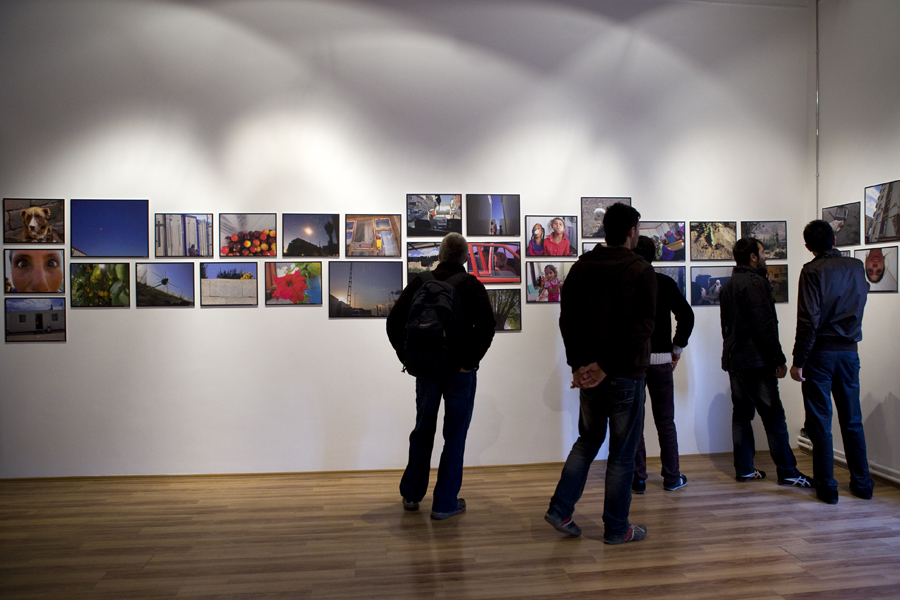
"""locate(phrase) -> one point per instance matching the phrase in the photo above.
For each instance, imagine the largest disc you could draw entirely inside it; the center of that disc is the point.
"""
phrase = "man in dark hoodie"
(752, 356)
(606, 318)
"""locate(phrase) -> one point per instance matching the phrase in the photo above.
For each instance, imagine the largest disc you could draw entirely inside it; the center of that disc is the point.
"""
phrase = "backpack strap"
(426, 276)
(457, 279)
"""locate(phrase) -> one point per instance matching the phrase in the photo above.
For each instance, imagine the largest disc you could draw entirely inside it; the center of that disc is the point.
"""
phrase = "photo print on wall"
(883, 213)
(311, 235)
(294, 283)
(420, 257)
(33, 271)
(361, 289)
(373, 235)
(772, 234)
(677, 274)
(495, 262)
(844, 219)
(588, 246)
(247, 234)
(228, 284)
(488, 214)
(713, 240)
(551, 235)
(706, 283)
(34, 221)
(164, 284)
(433, 215)
(544, 280)
(778, 278)
(668, 237)
(881, 267)
(110, 228)
(507, 307)
(593, 209)
(183, 235)
(35, 319)
(100, 285)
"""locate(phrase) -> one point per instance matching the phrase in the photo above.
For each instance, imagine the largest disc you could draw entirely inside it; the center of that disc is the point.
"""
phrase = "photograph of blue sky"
(180, 277)
(18, 304)
(423, 249)
(872, 199)
(373, 282)
(118, 228)
(310, 228)
(213, 269)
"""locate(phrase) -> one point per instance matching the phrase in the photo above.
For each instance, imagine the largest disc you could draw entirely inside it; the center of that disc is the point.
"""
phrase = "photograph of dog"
(33, 221)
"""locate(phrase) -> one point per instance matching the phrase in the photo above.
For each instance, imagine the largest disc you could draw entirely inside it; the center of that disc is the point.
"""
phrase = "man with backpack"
(441, 327)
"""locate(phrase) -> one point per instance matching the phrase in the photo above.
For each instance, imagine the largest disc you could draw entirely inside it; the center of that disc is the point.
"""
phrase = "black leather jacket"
(749, 323)
(830, 305)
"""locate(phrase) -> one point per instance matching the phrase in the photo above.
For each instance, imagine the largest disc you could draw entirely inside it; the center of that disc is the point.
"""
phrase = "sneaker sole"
(560, 528)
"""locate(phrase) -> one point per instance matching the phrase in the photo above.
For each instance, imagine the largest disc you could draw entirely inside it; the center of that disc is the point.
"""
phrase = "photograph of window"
(183, 235)
(35, 319)
(883, 212)
(373, 235)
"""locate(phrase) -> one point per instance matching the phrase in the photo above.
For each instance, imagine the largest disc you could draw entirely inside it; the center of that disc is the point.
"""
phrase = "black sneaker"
(682, 481)
(827, 495)
(566, 525)
(635, 534)
(865, 494)
(756, 474)
(800, 480)
(440, 516)
(410, 504)
(638, 486)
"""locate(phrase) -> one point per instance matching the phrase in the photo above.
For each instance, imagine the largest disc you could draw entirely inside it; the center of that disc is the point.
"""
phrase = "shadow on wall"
(718, 423)
(882, 445)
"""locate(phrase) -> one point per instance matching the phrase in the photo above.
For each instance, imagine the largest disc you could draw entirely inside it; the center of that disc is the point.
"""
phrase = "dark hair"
(744, 248)
(819, 236)
(646, 248)
(618, 221)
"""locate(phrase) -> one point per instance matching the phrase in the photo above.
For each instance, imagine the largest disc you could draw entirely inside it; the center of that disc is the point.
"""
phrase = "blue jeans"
(458, 392)
(752, 391)
(661, 386)
(619, 401)
(827, 373)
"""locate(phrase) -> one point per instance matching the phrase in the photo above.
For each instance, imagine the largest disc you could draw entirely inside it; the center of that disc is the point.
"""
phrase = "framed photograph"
(713, 240)
(311, 235)
(33, 271)
(362, 288)
(247, 234)
(35, 319)
(883, 213)
(228, 284)
(772, 234)
(778, 277)
(488, 214)
(845, 252)
(421, 256)
(293, 283)
(100, 285)
(677, 274)
(372, 235)
(706, 283)
(507, 305)
(544, 280)
(668, 237)
(551, 236)
(433, 215)
(495, 262)
(844, 219)
(110, 228)
(34, 221)
(588, 246)
(164, 284)
(881, 267)
(593, 209)
(183, 235)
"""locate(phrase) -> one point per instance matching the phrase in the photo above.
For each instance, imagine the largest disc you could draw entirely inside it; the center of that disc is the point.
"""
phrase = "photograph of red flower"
(293, 283)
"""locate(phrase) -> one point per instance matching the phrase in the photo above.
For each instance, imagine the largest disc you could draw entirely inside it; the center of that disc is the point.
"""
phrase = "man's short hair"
(454, 249)
(819, 236)
(618, 221)
(744, 248)
(646, 248)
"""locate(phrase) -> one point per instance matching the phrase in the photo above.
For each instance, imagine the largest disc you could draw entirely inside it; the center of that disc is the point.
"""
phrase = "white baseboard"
(891, 475)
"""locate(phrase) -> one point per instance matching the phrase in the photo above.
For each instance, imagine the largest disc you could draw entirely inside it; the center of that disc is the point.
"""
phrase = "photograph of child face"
(34, 271)
(551, 236)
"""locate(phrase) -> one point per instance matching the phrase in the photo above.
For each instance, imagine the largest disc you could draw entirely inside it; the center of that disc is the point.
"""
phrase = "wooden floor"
(346, 535)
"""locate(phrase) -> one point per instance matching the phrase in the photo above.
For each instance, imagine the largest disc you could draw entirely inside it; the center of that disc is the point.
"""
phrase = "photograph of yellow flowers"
(100, 285)
(228, 284)
(293, 283)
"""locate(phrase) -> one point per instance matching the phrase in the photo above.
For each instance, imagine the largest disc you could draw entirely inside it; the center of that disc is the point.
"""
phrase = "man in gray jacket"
(753, 358)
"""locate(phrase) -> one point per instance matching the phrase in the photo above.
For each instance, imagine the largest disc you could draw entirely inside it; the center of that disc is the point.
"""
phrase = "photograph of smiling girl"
(881, 268)
(32, 271)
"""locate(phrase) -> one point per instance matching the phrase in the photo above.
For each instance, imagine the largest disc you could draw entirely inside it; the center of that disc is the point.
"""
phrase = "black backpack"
(434, 328)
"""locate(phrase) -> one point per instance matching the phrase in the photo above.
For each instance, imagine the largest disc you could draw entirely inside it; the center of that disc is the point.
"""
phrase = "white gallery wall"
(696, 110)
(860, 147)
